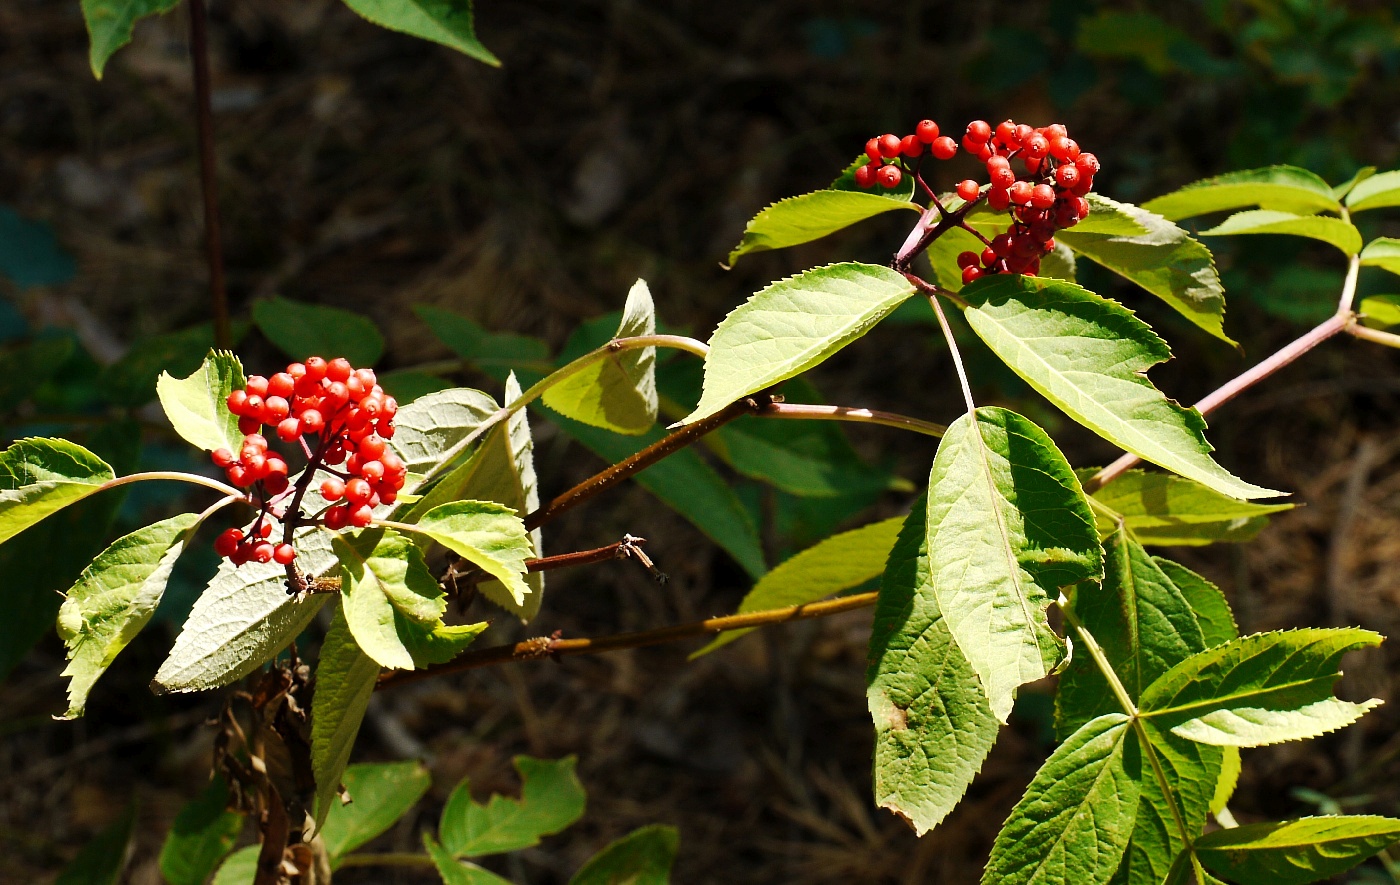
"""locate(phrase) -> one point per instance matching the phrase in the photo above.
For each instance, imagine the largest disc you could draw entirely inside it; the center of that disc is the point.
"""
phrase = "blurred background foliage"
(484, 219)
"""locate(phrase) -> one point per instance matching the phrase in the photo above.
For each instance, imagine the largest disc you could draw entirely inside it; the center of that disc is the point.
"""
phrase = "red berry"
(371, 447)
(926, 131)
(227, 542)
(248, 424)
(1006, 131)
(943, 148)
(979, 130)
(1064, 149)
(970, 273)
(253, 406)
(372, 471)
(872, 150)
(275, 409)
(972, 145)
(1042, 196)
(238, 475)
(999, 168)
(392, 463)
(1037, 146)
(222, 457)
(262, 551)
(998, 198)
(1021, 193)
(1054, 131)
(388, 496)
(336, 396)
(1088, 164)
(910, 146)
(968, 190)
(282, 384)
(315, 368)
(865, 175)
(1001, 244)
(357, 491)
(1067, 175)
(362, 516)
(889, 146)
(889, 176)
(336, 517)
(237, 401)
(339, 369)
(333, 488)
(256, 386)
(967, 259)
(989, 256)
(1083, 186)
(312, 422)
(275, 483)
(284, 553)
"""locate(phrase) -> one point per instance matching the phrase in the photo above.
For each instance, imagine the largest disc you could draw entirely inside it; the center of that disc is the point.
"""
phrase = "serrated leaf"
(1382, 252)
(488, 535)
(803, 458)
(1277, 671)
(1254, 727)
(1297, 851)
(1008, 525)
(197, 405)
(1380, 311)
(495, 353)
(933, 723)
(1163, 260)
(1163, 509)
(380, 794)
(449, 22)
(642, 857)
(1192, 773)
(551, 798)
(1285, 188)
(109, 24)
(838, 563)
(458, 872)
(1376, 192)
(239, 868)
(1229, 779)
(617, 392)
(809, 217)
(114, 598)
(429, 431)
(39, 477)
(1212, 610)
(204, 831)
(1074, 822)
(243, 619)
(101, 861)
(345, 679)
(1089, 356)
(793, 325)
(1334, 231)
(301, 330)
(385, 583)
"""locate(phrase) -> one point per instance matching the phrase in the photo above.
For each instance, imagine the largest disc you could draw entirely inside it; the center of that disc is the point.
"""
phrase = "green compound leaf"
(109, 24)
(303, 330)
(1008, 525)
(449, 22)
(812, 216)
(379, 795)
(617, 392)
(933, 723)
(39, 477)
(1074, 822)
(114, 598)
(458, 872)
(1285, 188)
(197, 406)
(1380, 311)
(1297, 851)
(386, 591)
(1376, 192)
(431, 430)
(488, 535)
(1193, 772)
(1089, 356)
(1254, 727)
(345, 679)
(1163, 260)
(642, 857)
(101, 861)
(1335, 231)
(1281, 672)
(838, 563)
(204, 832)
(793, 325)
(1382, 252)
(1163, 509)
(243, 619)
(551, 798)
(1212, 610)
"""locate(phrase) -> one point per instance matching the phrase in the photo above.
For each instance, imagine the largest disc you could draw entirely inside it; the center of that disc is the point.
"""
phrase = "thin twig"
(549, 647)
(802, 412)
(208, 173)
(453, 580)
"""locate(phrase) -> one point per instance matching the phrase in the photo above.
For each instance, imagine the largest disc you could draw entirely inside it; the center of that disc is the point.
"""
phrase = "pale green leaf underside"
(345, 678)
(793, 325)
(1074, 822)
(1089, 356)
(1382, 252)
(1286, 188)
(809, 217)
(433, 427)
(385, 583)
(197, 406)
(380, 794)
(1254, 727)
(109, 24)
(642, 857)
(457, 872)
(551, 798)
(1330, 230)
(838, 563)
(1163, 509)
(1297, 851)
(39, 477)
(449, 22)
(114, 598)
(1008, 526)
(933, 723)
(1376, 192)
(488, 535)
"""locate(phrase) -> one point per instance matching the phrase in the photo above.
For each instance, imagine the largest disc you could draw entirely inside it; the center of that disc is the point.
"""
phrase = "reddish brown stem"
(204, 116)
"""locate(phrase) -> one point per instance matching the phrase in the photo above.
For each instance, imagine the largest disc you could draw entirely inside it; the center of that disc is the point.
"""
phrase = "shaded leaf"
(204, 832)
(1192, 773)
(617, 392)
(41, 476)
(1297, 851)
(551, 798)
(197, 405)
(134, 380)
(407, 385)
(1212, 610)
(1346, 187)
(1159, 508)
(25, 367)
(495, 353)
(1333, 231)
(642, 857)
(458, 872)
(101, 861)
(301, 330)
(380, 794)
(1376, 192)
(1285, 188)
(809, 217)
(449, 22)
(109, 24)
(30, 254)
(239, 868)
(345, 678)
(804, 458)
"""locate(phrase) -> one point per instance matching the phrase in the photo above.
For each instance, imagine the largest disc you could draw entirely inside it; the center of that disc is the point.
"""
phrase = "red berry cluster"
(233, 545)
(890, 146)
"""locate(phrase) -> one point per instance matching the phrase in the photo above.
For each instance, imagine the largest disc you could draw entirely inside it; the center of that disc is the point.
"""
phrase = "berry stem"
(292, 519)
(926, 232)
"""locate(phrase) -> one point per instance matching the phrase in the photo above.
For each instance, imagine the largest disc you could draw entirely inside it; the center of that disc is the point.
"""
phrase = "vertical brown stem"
(204, 114)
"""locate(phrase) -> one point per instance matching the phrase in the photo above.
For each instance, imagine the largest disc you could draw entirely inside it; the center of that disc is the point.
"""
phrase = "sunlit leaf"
(617, 392)
(1382, 252)
(380, 794)
(345, 678)
(384, 583)
(1333, 231)
(809, 217)
(449, 22)
(1285, 188)
(490, 536)
(41, 476)
(197, 406)
(642, 857)
(109, 24)
(1376, 192)
(1163, 509)
(1297, 851)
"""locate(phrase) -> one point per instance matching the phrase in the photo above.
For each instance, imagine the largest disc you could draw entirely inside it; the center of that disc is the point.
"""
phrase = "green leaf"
(448, 22)
(25, 367)
(1347, 186)
(386, 587)
(101, 861)
(1380, 311)
(1376, 192)
(1163, 260)
(488, 535)
(302, 330)
(239, 868)
(943, 252)
(1335, 231)
(380, 794)
(1255, 727)
(1140, 619)
(1089, 356)
(345, 679)
(39, 477)
(407, 385)
(551, 798)
(804, 458)
(1296, 851)
(431, 429)
(1382, 252)
(933, 723)
(1212, 610)
(1168, 510)
(1279, 671)
(1008, 525)
(204, 832)
(1074, 822)
(109, 24)
(114, 598)
(458, 872)
(30, 254)
(1285, 188)
(642, 857)
(838, 563)
(243, 619)
(495, 353)
(617, 392)
(197, 406)
(793, 325)
(812, 216)
(1229, 779)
